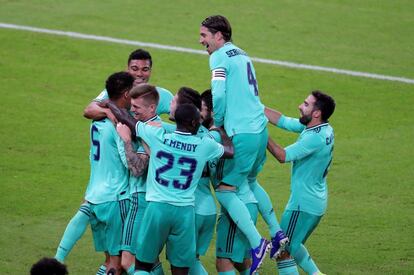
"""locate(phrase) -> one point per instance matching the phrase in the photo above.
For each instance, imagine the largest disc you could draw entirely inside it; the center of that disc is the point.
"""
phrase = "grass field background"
(46, 81)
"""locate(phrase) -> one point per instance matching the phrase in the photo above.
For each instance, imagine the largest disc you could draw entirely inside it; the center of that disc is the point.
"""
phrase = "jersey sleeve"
(102, 96)
(148, 133)
(213, 149)
(165, 101)
(219, 69)
(168, 127)
(215, 135)
(290, 124)
(302, 148)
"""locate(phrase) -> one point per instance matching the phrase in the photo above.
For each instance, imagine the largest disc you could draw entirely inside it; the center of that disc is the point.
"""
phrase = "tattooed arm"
(137, 162)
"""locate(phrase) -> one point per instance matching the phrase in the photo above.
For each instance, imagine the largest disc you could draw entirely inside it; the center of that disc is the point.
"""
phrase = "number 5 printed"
(95, 143)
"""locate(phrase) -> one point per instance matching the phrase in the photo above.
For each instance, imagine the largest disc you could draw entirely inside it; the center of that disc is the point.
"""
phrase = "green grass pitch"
(47, 80)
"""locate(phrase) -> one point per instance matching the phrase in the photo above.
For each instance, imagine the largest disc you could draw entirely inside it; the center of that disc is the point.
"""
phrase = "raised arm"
(123, 116)
(276, 150)
(96, 112)
(226, 142)
(272, 115)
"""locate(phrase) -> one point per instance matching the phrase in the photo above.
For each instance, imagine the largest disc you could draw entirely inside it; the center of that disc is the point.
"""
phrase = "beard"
(305, 119)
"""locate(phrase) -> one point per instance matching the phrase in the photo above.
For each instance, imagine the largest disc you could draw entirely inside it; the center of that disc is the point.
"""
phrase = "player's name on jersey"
(180, 145)
(235, 52)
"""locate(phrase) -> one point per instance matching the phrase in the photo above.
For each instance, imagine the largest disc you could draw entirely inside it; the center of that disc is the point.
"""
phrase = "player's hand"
(124, 132)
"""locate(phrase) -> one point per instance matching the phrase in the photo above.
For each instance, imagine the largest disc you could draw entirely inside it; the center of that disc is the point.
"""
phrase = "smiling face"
(209, 40)
(140, 69)
(142, 109)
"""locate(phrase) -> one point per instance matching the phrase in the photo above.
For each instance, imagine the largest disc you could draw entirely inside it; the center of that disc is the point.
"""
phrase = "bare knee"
(224, 264)
(244, 265)
(127, 260)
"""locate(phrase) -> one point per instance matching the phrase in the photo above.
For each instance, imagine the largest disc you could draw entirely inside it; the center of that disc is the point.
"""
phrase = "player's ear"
(317, 113)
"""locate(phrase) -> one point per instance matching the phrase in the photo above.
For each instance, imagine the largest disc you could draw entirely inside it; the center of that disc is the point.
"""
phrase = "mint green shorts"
(298, 226)
(170, 225)
(248, 159)
(205, 225)
(231, 243)
(107, 220)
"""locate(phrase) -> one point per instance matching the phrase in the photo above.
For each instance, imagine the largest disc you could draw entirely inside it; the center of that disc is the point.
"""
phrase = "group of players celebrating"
(150, 180)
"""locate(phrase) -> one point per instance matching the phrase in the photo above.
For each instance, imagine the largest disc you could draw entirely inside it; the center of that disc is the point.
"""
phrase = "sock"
(230, 272)
(198, 268)
(246, 272)
(101, 270)
(240, 215)
(141, 272)
(304, 260)
(265, 207)
(131, 270)
(287, 267)
(157, 269)
(74, 231)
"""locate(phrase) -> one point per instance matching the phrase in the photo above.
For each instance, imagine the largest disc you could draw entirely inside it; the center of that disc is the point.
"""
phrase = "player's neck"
(314, 122)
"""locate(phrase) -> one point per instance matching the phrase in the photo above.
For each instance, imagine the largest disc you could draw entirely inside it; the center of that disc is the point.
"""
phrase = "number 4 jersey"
(236, 101)
(176, 163)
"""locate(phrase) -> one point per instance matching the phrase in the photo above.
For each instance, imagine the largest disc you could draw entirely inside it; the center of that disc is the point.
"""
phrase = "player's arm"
(276, 150)
(137, 161)
(96, 111)
(226, 142)
(122, 116)
(272, 115)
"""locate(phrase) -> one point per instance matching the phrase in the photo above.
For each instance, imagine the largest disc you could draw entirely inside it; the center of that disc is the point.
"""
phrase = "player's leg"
(129, 232)
(205, 225)
(232, 246)
(152, 236)
(234, 172)
(73, 232)
(244, 267)
(114, 215)
(181, 242)
(299, 225)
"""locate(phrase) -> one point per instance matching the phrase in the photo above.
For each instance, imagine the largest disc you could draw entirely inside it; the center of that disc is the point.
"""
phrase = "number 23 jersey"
(176, 163)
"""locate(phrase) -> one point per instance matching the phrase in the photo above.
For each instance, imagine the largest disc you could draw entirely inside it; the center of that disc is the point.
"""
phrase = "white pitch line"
(188, 50)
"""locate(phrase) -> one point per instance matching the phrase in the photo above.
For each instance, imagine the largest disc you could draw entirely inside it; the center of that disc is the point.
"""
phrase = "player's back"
(244, 111)
(176, 163)
(109, 173)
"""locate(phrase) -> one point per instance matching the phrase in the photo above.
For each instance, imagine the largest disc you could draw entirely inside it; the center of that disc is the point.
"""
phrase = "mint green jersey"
(138, 184)
(311, 157)
(176, 163)
(163, 104)
(204, 200)
(109, 170)
(236, 101)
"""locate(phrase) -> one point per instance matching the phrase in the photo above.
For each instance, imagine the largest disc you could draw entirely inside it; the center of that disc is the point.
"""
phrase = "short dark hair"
(146, 91)
(189, 95)
(324, 103)
(207, 97)
(140, 54)
(48, 266)
(118, 83)
(218, 23)
(185, 115)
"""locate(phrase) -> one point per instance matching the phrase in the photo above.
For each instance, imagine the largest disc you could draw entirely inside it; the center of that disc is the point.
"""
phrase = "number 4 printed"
(252, 80)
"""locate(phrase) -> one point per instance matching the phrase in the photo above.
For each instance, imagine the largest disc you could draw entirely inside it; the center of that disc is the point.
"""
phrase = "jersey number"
(185, 162)
(251, 79)
(95, 143)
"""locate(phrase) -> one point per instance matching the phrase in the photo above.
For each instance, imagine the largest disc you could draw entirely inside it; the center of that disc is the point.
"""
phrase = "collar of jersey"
(182, 133)
(151, 119)
(316, 126)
